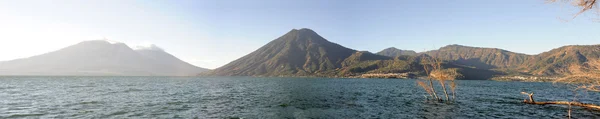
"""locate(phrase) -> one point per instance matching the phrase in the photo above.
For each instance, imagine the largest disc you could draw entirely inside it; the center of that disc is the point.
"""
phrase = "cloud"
(147, 46)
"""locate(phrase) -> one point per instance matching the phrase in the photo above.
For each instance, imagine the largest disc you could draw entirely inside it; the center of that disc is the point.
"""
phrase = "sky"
(212, 33)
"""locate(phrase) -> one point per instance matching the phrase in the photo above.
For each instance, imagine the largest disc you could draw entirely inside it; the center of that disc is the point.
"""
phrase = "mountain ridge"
(393, 52)
(305, 53)
(560, 61)
(299, 52)
(99, 57)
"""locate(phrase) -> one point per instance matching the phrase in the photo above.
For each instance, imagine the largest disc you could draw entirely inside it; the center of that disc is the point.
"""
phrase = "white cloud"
(147, 47)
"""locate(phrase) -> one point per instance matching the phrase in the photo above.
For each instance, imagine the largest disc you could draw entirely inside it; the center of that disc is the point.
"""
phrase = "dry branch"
(586, 105)
(572, 103)
(433, 69)
(584, 5)
(453, 88)
(427, 89)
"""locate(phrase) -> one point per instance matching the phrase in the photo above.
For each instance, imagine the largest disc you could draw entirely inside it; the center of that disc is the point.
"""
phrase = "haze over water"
(248, 97)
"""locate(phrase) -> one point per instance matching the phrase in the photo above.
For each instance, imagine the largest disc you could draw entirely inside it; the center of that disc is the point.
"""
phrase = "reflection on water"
(246, 97)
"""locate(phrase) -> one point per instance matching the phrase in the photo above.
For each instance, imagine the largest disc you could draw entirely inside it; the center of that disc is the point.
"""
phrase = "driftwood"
(586, 105)
(573, 103)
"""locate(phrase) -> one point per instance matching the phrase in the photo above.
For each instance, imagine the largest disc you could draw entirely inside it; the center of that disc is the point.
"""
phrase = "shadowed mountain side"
(411, 64)
(474, 73)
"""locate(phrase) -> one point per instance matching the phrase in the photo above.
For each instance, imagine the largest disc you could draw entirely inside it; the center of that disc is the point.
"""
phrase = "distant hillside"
(394, 52)
(565, 60)
(99, 58)
(483, 58)
(557, 62)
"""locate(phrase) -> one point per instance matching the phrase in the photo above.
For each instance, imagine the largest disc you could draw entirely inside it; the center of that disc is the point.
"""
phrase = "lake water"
(247, 97)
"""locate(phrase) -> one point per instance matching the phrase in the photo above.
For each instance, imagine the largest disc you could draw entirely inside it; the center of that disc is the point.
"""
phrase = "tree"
(584, 5)
(433, 69)
(428, 65)
(443, 75)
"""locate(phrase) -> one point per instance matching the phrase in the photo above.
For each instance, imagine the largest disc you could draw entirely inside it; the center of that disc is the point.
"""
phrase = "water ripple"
(243, 97)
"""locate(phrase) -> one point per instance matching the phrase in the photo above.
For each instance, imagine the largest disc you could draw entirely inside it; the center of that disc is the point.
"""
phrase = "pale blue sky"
(211, 33)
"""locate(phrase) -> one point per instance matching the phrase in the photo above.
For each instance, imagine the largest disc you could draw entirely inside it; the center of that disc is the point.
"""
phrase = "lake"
(251, 97)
